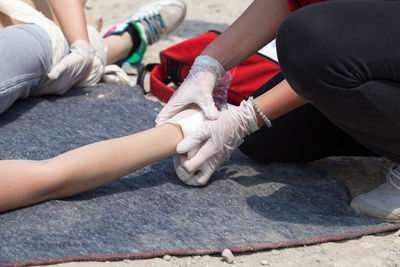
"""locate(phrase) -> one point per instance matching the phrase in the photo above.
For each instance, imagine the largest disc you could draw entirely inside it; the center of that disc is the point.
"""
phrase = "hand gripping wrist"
(213, 143)
(196, 89)
(189, 120)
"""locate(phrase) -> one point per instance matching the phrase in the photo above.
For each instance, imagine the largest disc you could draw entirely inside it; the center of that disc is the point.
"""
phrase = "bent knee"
(307, 48)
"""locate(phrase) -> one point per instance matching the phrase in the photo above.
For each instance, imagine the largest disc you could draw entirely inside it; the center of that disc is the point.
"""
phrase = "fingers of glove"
(193, 152)
(194, 139)
(202, 176)
(207, 105)
(176, 104)
(195, 89)
(81, 57)
(65, 81)
(68, 63)
(181, 98)
(56, 71)
(205, 153)
(60, 85)
(168, 112)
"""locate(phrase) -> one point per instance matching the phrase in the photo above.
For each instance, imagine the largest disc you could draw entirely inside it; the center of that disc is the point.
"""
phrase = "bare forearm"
(105, 161)
(24, 182)
(256, 27)
(278, 101)
(71, 16)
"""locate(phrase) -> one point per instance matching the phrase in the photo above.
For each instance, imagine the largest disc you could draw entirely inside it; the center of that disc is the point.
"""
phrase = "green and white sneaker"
(382, 203)
(150, 23)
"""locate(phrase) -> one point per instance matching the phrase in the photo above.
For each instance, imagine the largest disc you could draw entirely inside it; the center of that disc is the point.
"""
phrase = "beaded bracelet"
(263, 117)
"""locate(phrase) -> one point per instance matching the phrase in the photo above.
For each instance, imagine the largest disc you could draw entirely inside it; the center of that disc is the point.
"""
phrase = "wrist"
(81, 43)
(260, 121)
(83, 47)
(260, 116)
(210, 64)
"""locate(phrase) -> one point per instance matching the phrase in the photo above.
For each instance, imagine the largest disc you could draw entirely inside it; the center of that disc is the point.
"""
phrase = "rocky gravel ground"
(373, 250)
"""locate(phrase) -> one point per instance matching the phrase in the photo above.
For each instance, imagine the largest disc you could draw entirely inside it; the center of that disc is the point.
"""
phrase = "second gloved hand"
(217, 139)
(72, 69)
(197, 88)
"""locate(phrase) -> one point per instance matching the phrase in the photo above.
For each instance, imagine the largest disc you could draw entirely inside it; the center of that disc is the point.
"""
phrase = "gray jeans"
(26, 57)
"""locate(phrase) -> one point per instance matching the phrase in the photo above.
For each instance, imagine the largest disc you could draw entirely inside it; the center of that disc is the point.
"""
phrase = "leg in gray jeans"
(25, 59)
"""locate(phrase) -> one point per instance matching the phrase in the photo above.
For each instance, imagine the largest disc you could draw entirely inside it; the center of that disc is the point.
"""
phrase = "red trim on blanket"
(191, 252)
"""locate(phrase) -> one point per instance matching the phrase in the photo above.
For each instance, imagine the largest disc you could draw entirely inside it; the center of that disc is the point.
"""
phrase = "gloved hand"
(189, 120)
(197, 88)
(218, 139)
(72, 69)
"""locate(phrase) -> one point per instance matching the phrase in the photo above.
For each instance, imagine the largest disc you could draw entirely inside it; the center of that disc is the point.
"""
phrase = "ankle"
(134, 36)
(119, 47)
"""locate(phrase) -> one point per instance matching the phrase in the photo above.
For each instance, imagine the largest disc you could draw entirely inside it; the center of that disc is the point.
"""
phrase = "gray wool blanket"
(247, 206)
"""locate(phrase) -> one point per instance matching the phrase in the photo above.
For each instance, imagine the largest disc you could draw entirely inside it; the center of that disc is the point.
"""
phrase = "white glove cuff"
(211, 64)
(249, 116)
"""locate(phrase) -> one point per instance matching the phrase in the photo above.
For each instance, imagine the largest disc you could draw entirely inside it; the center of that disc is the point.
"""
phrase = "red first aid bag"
(177, 60)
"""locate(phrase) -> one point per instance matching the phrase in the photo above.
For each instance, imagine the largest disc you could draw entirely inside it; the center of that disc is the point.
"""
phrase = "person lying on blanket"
(43, 59)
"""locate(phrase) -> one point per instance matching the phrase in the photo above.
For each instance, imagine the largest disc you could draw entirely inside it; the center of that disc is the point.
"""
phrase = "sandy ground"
(360, 174)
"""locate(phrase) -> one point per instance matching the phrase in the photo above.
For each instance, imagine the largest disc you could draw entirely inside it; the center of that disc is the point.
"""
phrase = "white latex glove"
(218, 139)
(72, 69)
(197, 88)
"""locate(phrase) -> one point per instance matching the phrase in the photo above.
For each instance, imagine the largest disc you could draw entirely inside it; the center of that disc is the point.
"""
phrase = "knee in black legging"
(310, 51)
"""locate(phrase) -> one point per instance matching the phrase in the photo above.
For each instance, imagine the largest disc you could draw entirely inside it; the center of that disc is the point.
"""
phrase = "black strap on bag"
(142, 71)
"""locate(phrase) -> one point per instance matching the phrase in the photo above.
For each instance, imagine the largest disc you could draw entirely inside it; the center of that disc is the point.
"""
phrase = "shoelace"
(394, 174)
(154, 27)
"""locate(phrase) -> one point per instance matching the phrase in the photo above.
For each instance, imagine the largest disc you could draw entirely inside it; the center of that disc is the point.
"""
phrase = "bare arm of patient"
(26, 182)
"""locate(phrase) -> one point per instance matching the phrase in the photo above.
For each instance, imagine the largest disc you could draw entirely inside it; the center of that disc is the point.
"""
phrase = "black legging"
(301, 135)
(344, 58)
